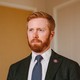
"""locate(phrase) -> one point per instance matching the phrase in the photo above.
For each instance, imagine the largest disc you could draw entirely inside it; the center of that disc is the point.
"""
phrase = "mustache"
(37, 40)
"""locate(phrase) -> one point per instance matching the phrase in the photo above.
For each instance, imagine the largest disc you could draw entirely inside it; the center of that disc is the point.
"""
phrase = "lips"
(36, 41)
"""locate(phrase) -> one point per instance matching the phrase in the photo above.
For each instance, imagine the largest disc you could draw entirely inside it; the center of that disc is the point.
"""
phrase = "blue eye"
(41, 30)
(30, 29)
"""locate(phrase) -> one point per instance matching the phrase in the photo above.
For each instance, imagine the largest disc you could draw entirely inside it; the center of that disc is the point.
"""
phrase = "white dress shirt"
(46, 56)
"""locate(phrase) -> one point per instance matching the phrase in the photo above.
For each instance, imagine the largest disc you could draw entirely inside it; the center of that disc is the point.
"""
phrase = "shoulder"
(65, 61)
(21, 62)
(67, 67)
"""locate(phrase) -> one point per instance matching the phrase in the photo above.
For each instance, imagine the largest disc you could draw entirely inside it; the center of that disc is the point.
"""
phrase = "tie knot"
(38, 58)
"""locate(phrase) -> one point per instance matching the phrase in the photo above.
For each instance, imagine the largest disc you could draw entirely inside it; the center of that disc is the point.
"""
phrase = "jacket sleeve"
(11, 73)
(74, 72)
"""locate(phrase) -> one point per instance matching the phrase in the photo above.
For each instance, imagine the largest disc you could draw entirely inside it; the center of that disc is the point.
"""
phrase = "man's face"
(39, 36)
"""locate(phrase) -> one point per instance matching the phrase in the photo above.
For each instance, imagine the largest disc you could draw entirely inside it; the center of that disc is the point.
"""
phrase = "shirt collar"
(46, 55)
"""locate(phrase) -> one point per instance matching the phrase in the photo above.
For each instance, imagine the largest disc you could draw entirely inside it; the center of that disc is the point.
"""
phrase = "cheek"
(29, 37)
(44, 37)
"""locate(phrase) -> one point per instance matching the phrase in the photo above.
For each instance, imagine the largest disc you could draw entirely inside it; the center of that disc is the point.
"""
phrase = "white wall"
(68, 29)
(50, 4)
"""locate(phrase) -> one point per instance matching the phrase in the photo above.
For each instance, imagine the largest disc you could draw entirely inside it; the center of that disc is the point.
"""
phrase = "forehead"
(38, 22)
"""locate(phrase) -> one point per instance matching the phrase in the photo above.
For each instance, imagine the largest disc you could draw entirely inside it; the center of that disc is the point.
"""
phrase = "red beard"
(38, 46)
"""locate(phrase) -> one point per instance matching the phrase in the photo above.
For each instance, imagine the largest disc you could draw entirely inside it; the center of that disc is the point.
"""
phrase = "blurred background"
(13, 40)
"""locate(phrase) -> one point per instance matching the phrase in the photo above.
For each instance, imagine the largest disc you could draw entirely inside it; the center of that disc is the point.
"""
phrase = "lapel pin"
(55, 61)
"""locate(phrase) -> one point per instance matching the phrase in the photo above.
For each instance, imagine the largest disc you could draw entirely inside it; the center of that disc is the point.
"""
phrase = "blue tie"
(37, 70)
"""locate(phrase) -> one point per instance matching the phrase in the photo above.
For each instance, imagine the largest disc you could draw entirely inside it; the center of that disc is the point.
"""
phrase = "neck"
(42, 51)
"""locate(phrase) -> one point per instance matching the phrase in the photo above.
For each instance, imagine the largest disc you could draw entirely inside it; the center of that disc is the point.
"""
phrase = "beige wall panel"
(13, 40)
(38, 4)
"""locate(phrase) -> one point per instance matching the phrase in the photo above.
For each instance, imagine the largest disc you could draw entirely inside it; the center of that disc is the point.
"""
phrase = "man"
(40, 31)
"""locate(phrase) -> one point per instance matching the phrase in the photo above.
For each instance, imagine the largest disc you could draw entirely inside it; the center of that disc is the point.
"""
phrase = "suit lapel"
(25, 68)
(54, 64)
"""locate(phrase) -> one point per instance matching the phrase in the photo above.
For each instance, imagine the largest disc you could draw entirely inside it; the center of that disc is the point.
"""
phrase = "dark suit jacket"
(59, 68)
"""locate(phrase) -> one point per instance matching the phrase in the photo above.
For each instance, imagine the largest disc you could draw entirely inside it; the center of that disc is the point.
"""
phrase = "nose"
(35, 34)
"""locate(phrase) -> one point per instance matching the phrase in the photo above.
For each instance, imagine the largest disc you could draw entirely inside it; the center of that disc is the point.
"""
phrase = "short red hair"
(43, 15)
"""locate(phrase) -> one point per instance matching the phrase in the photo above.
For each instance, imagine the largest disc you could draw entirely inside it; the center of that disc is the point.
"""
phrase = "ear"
(52, 35)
